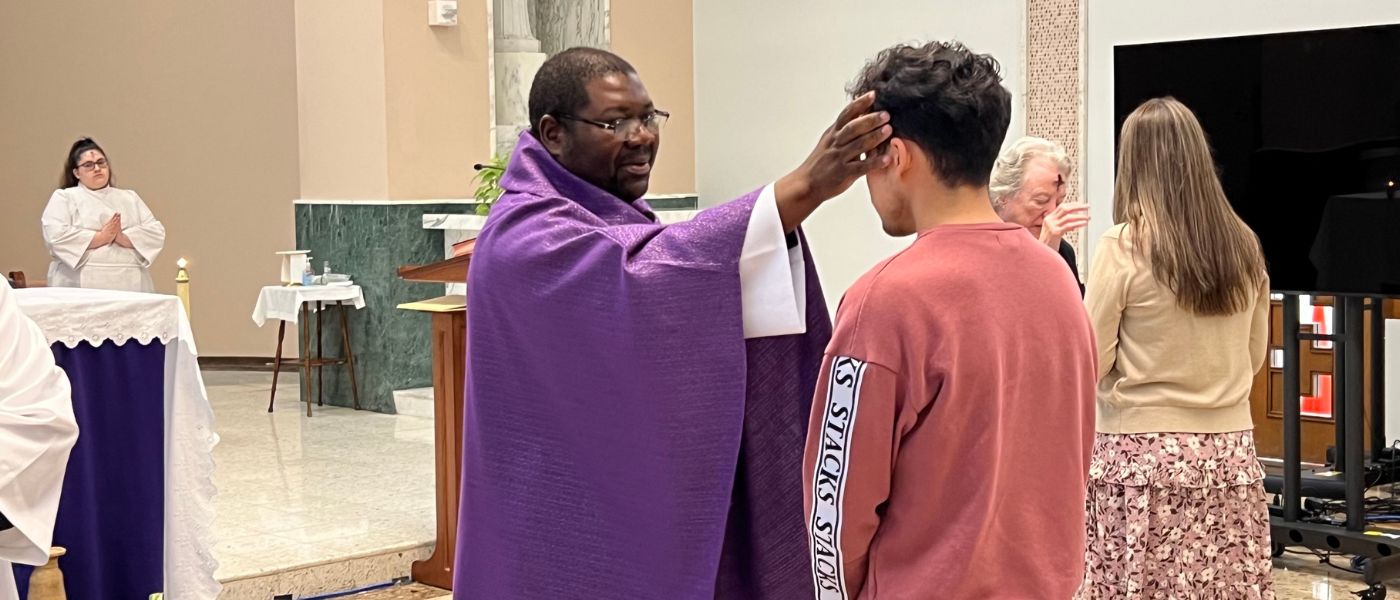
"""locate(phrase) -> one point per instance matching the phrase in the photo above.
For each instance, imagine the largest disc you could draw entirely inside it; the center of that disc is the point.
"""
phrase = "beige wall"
(196, 103)
(436, 84)
(340, 98)
(390, 108)
(221, 114)
(657, 37)
(770, 77)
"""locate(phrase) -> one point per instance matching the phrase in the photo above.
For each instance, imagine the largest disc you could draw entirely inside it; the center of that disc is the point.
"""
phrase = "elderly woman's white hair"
(1009, 172)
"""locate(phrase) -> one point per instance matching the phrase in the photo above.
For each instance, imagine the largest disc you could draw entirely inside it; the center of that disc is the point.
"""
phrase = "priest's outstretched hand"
(844, 154)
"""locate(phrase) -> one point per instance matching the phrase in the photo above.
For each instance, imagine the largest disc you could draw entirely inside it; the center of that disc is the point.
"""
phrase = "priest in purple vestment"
(637, 393)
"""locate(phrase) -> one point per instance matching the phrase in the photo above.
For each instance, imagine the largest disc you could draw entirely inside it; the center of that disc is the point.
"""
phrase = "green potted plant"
(488, 183)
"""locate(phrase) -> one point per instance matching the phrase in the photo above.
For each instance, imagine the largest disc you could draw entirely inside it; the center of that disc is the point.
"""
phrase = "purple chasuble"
(621, 438)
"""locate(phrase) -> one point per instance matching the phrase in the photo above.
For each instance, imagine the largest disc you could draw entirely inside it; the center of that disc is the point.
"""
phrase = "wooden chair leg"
(277, 362)
(320, 367)
(305, 328)
(349, 355)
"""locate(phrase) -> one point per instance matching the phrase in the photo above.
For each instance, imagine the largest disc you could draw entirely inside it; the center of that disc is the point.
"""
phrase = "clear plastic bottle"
(308, 275)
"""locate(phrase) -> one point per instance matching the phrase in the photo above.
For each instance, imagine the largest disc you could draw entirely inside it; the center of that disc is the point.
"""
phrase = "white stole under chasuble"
(74, 215)
(37, 431)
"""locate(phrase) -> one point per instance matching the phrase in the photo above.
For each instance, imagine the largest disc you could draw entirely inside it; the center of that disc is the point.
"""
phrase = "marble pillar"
(518, 57)
(562, 24)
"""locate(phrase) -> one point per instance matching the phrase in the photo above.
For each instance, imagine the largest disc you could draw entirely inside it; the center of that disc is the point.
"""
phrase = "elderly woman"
(1028, 189)
(99, 236)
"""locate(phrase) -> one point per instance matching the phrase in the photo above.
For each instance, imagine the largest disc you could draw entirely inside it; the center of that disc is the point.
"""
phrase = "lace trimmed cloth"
(72, 316)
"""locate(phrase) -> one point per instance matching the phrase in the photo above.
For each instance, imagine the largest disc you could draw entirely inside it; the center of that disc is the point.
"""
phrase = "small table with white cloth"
(137, 501)
(286, 303)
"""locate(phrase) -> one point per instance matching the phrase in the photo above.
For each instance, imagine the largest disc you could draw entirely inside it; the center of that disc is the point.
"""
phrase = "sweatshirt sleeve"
(851, 445)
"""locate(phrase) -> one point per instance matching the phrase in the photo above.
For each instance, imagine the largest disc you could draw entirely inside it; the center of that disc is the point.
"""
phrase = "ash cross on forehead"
(1059, 181)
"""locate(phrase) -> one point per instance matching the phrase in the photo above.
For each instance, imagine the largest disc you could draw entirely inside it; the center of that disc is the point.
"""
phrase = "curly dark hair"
(560, 86)
(947, 100)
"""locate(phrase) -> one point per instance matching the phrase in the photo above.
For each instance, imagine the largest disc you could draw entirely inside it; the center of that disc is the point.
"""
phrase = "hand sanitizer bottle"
(307, 275)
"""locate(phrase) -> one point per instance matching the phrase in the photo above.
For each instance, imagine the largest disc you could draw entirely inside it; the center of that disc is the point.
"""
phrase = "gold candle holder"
(182, 284)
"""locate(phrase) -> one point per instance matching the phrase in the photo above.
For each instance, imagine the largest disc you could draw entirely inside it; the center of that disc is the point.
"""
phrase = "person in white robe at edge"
(98, 235)
(37, 431)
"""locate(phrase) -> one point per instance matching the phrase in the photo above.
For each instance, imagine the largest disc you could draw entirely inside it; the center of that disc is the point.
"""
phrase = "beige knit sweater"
(1163, 368)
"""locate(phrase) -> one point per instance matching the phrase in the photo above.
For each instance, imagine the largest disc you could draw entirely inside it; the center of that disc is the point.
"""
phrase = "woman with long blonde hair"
(1179, 297)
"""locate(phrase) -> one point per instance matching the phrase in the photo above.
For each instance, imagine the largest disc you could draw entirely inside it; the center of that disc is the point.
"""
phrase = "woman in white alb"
(99, 236)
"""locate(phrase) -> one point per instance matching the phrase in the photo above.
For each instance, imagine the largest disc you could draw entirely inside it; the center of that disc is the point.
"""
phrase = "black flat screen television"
(1305, 129)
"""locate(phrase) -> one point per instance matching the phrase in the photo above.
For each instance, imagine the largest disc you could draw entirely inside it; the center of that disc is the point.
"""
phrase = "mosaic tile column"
(1054, 94)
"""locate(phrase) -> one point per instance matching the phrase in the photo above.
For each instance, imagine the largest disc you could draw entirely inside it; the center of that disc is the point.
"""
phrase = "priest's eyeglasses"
(93, 165)
(626, 127)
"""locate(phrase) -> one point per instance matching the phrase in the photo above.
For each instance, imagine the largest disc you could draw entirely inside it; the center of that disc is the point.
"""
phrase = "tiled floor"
(1303, 577)
(296, 491)
(1295, 578)
(408, 592)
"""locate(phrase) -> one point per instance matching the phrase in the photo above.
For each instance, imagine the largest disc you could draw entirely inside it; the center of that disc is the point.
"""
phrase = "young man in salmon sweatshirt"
(949, 440)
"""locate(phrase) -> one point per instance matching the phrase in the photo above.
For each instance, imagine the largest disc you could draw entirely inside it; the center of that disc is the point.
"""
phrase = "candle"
(182, 284)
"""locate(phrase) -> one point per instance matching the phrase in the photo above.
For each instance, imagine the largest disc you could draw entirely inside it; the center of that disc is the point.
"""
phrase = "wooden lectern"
(449, 338)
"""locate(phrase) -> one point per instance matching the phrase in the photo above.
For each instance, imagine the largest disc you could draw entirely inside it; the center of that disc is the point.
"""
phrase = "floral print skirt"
(1176, 515)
